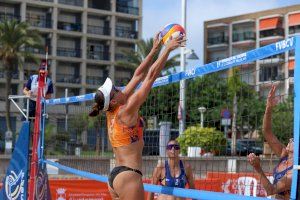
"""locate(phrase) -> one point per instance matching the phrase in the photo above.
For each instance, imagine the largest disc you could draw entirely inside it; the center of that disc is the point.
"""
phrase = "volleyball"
(174, 30)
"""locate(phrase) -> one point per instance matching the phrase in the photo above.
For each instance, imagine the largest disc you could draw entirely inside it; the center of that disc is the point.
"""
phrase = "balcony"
(40, 21)
(293, 30)
(68, 78)
(97, 55)
(67, 26)
(71, 2)
(125, 33)
(270, 74)
(127, 9)
(272, 59)
(38, 50)
(45, 0)
(217, 43)
(68, 52)
(9, 16)
(94, 80)
(101, 5)
(243, 36)
(272, 33)
(98, 30)
(15, 75)
(120, 57)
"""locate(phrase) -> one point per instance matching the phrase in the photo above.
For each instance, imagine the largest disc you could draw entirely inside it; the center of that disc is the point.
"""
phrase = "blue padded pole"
(296, 179)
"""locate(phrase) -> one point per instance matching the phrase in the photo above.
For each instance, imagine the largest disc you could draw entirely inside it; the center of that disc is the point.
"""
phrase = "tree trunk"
(98, 143)
(8, 74)
(233, 128)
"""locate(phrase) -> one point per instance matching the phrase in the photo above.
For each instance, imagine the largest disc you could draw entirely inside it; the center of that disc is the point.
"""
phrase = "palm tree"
(134, 58)
(15, 36)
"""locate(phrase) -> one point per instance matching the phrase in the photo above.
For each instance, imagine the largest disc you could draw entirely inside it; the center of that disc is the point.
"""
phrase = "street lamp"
(192, 55)
(202, 111)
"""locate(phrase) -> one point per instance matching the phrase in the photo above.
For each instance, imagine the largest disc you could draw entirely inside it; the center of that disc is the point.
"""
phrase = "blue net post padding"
(295, 180)
(179, 192)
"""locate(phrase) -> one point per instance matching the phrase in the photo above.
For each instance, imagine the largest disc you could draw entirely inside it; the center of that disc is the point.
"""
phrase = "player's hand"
(157, 41)
(174, 43)
(254, 161)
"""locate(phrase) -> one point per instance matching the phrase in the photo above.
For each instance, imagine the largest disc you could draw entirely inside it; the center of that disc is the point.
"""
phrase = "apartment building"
(86, 38)
(234, 35)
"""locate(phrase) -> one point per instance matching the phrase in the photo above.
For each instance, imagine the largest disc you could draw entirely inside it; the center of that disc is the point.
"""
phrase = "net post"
(296, 178)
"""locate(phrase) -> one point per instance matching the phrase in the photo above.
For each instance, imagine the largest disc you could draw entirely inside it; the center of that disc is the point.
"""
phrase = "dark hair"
(170, 140)
(98, 105)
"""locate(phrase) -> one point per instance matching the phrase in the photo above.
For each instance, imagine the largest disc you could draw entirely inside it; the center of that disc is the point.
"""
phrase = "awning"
(270, 23)
(294, 19)
(291, 64)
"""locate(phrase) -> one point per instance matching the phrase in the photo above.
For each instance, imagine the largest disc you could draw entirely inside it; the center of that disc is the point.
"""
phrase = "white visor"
(106, 89)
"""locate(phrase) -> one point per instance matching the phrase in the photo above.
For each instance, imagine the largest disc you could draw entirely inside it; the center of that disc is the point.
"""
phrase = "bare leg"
(128, 185)
(113, 194)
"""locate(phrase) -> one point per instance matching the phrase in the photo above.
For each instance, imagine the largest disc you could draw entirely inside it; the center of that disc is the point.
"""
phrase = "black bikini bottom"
(117, 170)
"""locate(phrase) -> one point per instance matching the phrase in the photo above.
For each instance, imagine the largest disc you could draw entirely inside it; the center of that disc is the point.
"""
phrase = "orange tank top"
(122, 135)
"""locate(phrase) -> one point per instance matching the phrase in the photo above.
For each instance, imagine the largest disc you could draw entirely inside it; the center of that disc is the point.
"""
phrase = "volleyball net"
(224, 106)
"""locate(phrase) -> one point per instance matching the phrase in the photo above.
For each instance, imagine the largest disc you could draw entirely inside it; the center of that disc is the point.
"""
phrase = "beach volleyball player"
(125, 126)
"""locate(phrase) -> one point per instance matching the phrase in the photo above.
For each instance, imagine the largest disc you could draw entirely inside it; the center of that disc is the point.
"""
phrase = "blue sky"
(158, 13)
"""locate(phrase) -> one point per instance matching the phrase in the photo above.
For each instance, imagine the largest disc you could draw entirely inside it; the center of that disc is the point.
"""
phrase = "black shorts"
(117, 170)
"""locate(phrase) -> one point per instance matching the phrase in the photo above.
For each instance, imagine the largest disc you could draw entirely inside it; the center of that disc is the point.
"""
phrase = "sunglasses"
(171, 146)
(291, 140)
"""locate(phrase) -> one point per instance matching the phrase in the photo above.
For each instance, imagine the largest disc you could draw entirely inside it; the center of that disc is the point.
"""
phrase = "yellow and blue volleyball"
(174, 30)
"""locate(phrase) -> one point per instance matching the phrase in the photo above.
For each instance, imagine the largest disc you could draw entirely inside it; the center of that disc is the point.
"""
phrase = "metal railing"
(272, 32)
(15, 75)
(9, 16)
(68, 52)
(94, 80)
(99, 30)
(40, 21)
(38, 50)
(217, 40)
(127, 9)
(97, 55)
(71, 2)
(125, 33)
(24, 112)
(242, 36)
(67, 26)
(68, 78)
(294, 29)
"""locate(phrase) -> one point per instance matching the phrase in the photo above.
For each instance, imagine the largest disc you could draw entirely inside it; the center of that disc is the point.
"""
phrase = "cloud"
(157, 13)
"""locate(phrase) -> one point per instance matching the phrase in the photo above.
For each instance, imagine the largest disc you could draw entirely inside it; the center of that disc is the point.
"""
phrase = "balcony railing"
(120, 57)
(294, 29)
(68, 52)
(127, 9)
(125, 33)
(38, 50)
(94, 80)
(9, 16)
(121, 81)
(242, 36)
(41, 22)
(104, 5)
(99, 30)
(97, 55)
(15, 75)
(217, 40)
(45, 0)
(272, 33)
(69, 26)
(71, 2)
(68, 78)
